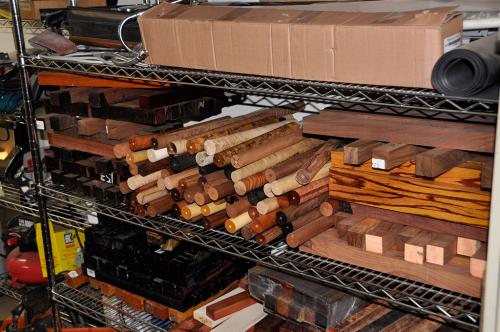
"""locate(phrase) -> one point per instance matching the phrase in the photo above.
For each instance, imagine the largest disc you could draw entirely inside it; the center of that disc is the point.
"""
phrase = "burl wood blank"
(441, 248)
(382, 237)
(359, 151)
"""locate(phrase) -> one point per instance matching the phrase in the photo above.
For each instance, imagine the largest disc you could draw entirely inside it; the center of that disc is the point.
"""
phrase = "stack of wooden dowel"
(255, 174)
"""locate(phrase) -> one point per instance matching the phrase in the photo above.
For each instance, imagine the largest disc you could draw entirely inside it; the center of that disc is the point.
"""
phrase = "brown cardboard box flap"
(394, 48)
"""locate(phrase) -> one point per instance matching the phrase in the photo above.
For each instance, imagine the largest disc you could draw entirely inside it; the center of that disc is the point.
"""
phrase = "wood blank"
(404, 130)
(356, 234)
(415, 247)
(382, 237)
(390, 155)
(359, 151)
(441, 249)
(229, 305)
(434, 162)
(467, 247)
(478, 263)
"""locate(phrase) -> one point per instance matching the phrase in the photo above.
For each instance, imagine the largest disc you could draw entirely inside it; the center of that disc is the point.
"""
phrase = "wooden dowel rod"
(140, 195)
(269, 204)
(301, 221)
(253, 213)
(203, 159)
(207, 169)
(274, 158)
(270, 235)
(249, 183)
(202, 198)
(309, 191)
(215, 145)
(133, 169)
(303, 234)
(172, 181)
(311, 167)
(162, 140)
(177, 193)
(288, 166)
(189, 180)
(124, 188)
(211, 177)
(140, 142)
(264, 222)
(137, 181)
(235, 224)
(220, 190)
(291, 131)
(190, 211)
(215, 220)
(153, 196)
(182, 162)
(159, 206)
(157, 155)
(256, 196)
(329, 207)
(213, 207)
(145, 168)
(292, 212)
(177, 146)
(190, 192)
(268, 190)
(247, 232)
(262, 150)
(238, 207)
(289, 183)
(137, 156)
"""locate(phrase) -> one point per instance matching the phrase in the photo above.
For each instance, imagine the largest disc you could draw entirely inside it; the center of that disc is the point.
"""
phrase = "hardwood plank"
(454, 276)
(229, 306)
(356, 234)
(467, 247)
(383, 236)
(467, 174)
(415, 248)
(424, 223)
(441, 248)
(478, 262)
(362, 318)
(390, 155)
(434, 162)
(81, 144)
(359, 151)
(67, 79)
(404, 130)
(410, 195)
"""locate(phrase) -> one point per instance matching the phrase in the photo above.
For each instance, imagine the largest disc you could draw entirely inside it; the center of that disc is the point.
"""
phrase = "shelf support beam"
(29, 113)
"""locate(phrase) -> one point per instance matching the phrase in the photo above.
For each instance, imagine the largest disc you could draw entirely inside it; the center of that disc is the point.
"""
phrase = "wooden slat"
(67, 79)
(410, 195)
(454, 276)
(398, 129)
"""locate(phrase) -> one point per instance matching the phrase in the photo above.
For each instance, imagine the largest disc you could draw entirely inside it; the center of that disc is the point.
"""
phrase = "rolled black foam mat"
(471, 70)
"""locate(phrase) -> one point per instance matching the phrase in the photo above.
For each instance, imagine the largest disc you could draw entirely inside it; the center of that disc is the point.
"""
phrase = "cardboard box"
(30, 9)
(397, 49)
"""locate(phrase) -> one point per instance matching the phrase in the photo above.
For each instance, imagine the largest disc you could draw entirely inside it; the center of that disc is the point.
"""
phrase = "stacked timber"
(419, 193)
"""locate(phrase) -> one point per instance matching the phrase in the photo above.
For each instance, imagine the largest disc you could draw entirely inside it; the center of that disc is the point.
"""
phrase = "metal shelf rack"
(7, 289)
(109, 311)
(65, 208)
(401, 101)
(12, 198)
(399, 292)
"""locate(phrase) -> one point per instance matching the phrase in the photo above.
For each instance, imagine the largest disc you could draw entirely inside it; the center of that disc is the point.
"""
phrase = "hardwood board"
(410, 195)
(398, 129)
(467, 174)
(67, 79)
(454, 276)
(424, 223)
(97, 145)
